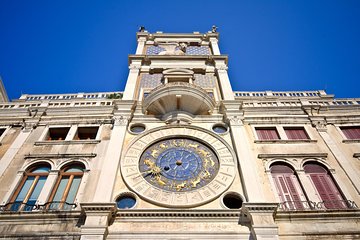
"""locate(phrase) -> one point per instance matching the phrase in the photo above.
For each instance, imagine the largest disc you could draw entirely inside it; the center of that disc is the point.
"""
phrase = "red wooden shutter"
(267, 133)
(325, 186)
(287, 186)
(351, 132)
(296, 133)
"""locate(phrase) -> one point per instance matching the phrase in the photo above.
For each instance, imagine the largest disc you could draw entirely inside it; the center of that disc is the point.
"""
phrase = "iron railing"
(324, 205)
(28, 207)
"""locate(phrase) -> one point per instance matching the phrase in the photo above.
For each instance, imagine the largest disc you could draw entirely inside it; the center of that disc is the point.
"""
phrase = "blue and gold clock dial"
(178, 164)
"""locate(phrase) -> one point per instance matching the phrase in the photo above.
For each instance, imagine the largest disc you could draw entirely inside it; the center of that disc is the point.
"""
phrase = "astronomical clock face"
(168, 168)
(178, 165)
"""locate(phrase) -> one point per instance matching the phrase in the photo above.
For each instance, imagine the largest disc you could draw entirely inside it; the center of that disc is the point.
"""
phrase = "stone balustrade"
(292, 94)
(98, 95)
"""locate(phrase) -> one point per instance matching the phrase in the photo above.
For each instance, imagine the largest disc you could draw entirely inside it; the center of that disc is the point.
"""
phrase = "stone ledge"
(285, 141)
(61, 155)
(292, 155)
(98, 207)
(41, 216)
(327, 214)
(65, 142)
(351, 141)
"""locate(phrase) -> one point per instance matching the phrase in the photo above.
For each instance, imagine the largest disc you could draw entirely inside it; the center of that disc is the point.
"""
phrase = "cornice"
(178, 214)
(147, 58)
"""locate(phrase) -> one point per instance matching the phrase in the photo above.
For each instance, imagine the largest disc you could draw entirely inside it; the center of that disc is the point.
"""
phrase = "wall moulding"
(292, 155)
(61, 155)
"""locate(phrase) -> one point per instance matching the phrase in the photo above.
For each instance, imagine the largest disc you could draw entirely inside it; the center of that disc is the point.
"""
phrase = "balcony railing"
(309, 205)
(297, 205)
(28, 207)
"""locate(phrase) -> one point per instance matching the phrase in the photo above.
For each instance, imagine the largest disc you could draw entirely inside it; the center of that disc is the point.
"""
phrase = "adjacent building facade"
(180, 155)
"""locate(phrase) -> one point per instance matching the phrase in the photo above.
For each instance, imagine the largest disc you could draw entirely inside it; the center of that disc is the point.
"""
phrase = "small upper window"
(57, 133)
(296, 133)
(137, 128)
(220, 128)
(352, 132)
(269, 133)
(84, 133)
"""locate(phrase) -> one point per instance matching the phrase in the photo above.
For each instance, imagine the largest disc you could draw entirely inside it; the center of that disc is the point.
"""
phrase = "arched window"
(287, 186)
(29, 189)
(66, 188)
(325, 186)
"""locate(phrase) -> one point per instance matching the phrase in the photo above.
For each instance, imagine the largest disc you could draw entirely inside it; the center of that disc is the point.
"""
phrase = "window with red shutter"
(325, 186)
(351, 132)
(287, 186)
(267, 133)
(296, 133)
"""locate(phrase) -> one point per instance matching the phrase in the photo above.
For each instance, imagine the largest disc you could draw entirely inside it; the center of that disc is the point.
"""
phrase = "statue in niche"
(173, 48)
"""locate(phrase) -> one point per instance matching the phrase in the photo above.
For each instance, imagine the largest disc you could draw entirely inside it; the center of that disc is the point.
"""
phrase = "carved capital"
(134, 67)
(28, 126)
(121, 120)
(222, 68)
(235, 120)
(141, 40)
(320, 125)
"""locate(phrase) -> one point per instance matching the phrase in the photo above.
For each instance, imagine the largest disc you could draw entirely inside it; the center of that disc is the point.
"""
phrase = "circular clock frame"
(180, 197)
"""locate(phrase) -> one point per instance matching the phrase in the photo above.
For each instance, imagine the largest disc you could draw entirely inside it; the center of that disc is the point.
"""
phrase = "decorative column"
(131, 82)
(247, 162)
(321, 126)
(261, 217)
(224, 80)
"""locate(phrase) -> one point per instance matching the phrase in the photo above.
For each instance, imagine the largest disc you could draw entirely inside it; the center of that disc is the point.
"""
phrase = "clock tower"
(183, 170)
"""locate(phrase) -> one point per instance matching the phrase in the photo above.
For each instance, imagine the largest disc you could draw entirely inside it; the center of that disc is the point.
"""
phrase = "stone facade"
(180, 155)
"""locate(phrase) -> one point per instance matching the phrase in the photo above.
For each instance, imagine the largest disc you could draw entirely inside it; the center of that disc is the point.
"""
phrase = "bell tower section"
(166, 62)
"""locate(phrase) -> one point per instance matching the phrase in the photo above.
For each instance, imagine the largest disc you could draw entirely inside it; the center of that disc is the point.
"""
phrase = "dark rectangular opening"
(84, 133)
(2, 130)
(58, 133)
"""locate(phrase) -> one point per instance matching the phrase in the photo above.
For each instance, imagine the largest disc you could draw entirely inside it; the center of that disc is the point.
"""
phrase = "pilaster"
(321, 126)
(214, 46)
(247, 161)
(98, 218)
(140, 46)
(261, 217)
(224, 80)
(15, 147)
(112, 159)
(131, 82)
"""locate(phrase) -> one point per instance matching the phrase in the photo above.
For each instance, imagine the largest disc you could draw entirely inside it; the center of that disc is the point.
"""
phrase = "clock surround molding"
(181, 199)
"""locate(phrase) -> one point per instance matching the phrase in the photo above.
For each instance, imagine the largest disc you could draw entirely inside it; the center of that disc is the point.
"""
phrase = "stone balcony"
(178, 96)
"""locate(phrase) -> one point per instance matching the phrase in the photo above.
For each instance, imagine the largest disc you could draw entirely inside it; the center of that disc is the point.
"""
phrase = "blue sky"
(82, 46)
